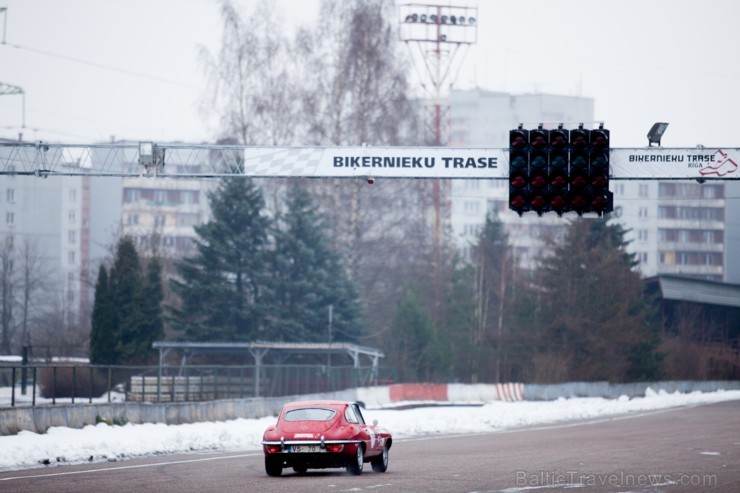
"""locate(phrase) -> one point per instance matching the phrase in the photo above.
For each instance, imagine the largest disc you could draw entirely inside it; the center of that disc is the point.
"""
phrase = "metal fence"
(32, 385)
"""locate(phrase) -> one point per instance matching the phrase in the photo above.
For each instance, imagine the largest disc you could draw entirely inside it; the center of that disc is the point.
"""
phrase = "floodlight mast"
(434, 35)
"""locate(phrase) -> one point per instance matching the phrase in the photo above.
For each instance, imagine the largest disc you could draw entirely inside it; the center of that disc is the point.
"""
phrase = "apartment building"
(44, 236)
(674, 227)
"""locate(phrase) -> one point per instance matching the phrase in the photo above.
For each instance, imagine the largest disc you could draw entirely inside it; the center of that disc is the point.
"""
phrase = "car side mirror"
(375, 422)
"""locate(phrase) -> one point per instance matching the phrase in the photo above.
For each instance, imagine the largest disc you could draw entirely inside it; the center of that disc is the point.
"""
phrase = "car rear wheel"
(273, 466)
(356, 466)
(381, 463)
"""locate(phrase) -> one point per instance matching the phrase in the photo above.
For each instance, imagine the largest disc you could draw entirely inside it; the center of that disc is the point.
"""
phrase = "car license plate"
(303, 449)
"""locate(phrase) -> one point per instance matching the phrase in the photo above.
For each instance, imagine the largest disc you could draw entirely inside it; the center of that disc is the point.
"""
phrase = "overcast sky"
(128, 69)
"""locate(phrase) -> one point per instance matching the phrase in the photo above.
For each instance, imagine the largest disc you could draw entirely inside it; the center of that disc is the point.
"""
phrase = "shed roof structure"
(259, 349)
(693, 290)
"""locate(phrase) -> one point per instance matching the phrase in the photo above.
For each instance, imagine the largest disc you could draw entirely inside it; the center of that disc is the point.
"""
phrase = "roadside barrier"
(40, 418)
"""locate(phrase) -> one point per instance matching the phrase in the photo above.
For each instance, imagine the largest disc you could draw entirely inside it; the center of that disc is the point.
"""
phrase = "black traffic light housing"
(598, 174)
(519, 170)
(559, 170)
(579, 168)
(539, 141)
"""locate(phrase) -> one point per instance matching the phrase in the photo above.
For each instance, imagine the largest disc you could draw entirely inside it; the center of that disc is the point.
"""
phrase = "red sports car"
(322, 434)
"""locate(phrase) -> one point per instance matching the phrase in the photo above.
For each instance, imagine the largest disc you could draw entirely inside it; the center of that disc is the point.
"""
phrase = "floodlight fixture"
(146, 153)
(656, 133)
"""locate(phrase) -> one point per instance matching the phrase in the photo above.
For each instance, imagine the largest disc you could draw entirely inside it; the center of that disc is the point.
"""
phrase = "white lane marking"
(120, 468)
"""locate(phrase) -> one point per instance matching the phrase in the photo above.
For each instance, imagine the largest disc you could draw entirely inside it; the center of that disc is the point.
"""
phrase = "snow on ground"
(111, 443)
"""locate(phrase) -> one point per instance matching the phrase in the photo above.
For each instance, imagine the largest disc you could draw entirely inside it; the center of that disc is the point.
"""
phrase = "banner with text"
(690, 163)
(373, 162)
(483, 163)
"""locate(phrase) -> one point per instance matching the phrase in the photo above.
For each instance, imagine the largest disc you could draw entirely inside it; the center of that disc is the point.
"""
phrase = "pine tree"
(460, 321)
(594, 313)
(102, 351)
(146, 324)
(126, 287)
(413, 344)
(308, 278)
(223, 287)
(127, 314)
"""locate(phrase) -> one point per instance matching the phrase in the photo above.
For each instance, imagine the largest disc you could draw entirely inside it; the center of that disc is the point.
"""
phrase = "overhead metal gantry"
(209, 161)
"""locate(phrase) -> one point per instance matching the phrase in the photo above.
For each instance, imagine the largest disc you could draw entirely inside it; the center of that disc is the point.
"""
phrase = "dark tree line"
(261, 278)
(127, 311)
(581, 314)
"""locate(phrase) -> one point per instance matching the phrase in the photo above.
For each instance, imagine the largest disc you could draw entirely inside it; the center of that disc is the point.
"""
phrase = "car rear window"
(310, 414)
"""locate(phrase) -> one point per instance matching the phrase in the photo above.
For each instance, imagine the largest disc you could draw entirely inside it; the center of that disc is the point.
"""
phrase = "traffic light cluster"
(559, 171)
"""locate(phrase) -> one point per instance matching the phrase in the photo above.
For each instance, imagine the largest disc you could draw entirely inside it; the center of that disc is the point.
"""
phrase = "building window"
(643, 191)
(133, 219)
(471, 229)
(71, 257)
(131, 195)
(9, 218)
(642, 235)
(72, 237)
(10, 195)
(471, 207)
(71, 216)
(159, 196)
(643, 212)
(159, 220)
(72, 195)
(666, 190)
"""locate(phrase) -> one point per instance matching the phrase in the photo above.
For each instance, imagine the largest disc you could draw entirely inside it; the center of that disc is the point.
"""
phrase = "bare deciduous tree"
(8, 281)
(251, 77)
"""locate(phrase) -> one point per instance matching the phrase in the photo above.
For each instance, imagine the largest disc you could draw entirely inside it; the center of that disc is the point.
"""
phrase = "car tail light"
(273, 449)
(334, 447)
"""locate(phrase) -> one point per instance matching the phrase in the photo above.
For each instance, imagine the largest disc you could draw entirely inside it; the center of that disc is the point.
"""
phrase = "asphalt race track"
(686, 449)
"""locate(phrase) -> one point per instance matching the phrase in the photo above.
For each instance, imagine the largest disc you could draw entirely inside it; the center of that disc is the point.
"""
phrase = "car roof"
(317, 403)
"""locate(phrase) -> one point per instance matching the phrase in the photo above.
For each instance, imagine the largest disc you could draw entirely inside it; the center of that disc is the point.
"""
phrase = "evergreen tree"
(460, 318)
(308, 278)
(593, 312)
(102, 351)
(126, 287)
(145, 325)
(223, 288)
(413, 344)
(127, 313)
